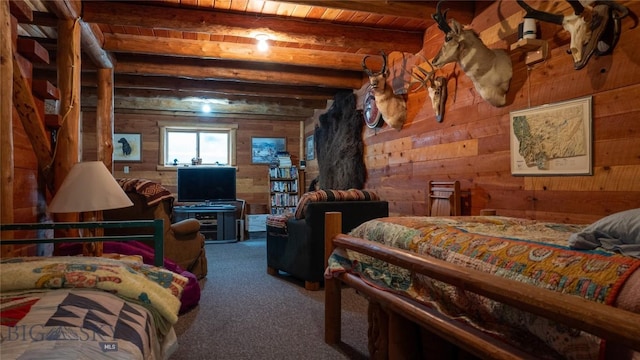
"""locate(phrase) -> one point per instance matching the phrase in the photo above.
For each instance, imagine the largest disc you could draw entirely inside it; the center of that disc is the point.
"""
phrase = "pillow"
(333, 195)
(619, 231)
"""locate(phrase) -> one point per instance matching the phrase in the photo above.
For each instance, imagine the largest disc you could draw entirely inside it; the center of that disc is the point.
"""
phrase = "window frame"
(231, 129)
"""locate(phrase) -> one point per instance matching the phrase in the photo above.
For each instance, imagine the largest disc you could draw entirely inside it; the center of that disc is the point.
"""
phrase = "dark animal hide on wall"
(339, 145)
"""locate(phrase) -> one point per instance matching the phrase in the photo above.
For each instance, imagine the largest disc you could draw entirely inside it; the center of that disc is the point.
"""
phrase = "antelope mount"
(489, 69)
(392, 107)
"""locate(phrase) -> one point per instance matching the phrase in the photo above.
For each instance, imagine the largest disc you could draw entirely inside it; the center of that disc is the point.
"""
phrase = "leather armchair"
(183, 242)
(295, 244)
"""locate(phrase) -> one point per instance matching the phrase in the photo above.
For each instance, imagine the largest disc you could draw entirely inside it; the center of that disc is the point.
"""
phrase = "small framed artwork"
(264, 150)
(127, 147)
(553, 139)
(310, 148)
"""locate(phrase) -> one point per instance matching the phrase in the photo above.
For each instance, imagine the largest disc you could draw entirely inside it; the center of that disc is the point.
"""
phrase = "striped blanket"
(152, 191)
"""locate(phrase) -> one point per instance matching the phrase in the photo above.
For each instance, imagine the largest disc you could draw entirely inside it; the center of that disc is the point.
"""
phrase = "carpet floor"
(244, 313)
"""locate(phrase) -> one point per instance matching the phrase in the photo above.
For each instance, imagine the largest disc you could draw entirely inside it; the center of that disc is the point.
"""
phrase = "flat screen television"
(206, 184)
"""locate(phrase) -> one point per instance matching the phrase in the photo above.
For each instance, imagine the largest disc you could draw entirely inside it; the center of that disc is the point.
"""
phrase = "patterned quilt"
(533, 252)
(87, 308)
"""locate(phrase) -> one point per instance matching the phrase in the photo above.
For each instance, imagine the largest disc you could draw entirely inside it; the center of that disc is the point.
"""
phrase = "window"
(214, 144)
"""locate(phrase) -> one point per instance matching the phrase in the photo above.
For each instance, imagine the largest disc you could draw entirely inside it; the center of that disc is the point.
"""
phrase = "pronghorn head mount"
(392, 107)
(489, 69)
(436, 86)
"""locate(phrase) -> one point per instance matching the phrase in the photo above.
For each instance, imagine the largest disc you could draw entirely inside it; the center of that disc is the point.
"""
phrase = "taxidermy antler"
(436, 87)
(490, 70)
(594, 27)
(392, 107)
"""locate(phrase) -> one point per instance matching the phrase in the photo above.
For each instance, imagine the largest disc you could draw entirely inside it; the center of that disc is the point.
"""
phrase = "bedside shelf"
(536, 50)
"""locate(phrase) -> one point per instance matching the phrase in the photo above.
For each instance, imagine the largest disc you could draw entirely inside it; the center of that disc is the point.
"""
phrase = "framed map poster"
(552, 139)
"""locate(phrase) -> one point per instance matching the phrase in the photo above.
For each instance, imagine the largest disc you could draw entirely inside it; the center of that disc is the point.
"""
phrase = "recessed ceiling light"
(262, 42)
(206, 108)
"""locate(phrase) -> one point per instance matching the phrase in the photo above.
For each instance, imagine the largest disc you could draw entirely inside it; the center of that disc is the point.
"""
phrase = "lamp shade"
(89, 186)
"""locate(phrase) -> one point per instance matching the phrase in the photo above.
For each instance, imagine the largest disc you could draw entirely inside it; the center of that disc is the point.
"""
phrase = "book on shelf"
(284, 173)
(284, 159)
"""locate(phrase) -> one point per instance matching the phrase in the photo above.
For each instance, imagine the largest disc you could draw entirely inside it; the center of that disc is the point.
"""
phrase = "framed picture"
(127, 147)
(263, 150)
(310, 148)
(553, 139)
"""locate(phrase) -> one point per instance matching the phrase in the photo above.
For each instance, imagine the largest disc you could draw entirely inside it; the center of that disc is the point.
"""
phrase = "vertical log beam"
(105, 117)
(302, 143)
(67, 149)
(6, 115)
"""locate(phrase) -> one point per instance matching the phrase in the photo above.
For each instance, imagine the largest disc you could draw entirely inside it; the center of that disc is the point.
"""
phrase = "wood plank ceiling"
(173, 56)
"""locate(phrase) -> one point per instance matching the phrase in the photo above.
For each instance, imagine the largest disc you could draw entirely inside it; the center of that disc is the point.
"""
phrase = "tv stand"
(217, 222)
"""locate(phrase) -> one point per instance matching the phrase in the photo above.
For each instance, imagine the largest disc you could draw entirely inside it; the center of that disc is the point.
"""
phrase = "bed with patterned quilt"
(83, 307)
(491, 286)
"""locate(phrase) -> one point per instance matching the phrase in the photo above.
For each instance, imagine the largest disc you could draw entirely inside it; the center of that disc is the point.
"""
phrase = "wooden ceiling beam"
(224, 87)
(169, 104)
(277, 28)
(91, 36)
(213, 98)
(213, 70)
(214, 89)
(123, 43)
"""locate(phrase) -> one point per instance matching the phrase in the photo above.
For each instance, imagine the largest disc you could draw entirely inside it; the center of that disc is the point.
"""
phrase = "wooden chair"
(444, 198)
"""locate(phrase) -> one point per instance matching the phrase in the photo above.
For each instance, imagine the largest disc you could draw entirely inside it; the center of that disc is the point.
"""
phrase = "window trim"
(163, 126)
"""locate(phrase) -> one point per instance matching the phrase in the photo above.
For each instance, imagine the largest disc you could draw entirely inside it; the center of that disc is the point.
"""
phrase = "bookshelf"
(284, 189)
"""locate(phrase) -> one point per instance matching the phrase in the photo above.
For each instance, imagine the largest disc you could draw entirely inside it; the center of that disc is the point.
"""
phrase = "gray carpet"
(245, 313)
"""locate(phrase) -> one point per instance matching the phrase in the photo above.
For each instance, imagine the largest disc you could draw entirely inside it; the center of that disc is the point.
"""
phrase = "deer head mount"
(392, 107)
(490, 70)
(436, 86)
(594, 26)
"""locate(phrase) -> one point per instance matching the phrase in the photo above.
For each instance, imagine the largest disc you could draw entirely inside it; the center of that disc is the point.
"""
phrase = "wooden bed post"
(332, 291)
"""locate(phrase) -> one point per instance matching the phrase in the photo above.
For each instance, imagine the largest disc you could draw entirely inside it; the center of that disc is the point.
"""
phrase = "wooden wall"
(28, 191)
(252, 179)
(472, 143)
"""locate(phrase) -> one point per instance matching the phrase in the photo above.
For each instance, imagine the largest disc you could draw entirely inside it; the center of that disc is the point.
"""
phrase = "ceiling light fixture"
(263, 45)
(206, 108)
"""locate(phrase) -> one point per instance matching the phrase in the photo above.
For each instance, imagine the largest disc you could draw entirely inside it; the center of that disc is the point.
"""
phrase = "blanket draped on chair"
(152, 191)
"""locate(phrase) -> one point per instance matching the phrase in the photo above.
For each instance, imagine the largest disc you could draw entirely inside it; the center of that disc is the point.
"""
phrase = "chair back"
(444, 198)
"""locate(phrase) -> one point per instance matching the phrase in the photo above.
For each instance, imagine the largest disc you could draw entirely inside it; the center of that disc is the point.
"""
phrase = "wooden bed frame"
(618, 326)
(157, 237)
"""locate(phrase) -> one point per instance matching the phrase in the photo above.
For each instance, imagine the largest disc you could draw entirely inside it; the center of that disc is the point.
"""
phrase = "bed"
(489, 286)
(76, 307)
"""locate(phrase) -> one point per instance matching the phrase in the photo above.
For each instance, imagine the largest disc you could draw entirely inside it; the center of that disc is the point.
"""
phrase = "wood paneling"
(472, 143)
(252, 180)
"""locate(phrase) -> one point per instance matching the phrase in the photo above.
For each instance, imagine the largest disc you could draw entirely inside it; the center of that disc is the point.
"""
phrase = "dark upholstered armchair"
(295, 243)
(183, 242)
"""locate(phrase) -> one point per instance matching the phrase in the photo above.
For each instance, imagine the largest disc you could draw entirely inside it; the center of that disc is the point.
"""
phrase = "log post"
(104, 117)
(67, 149)
(6, 114)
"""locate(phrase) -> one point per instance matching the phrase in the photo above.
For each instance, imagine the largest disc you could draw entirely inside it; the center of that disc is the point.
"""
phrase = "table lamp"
(88, 189)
